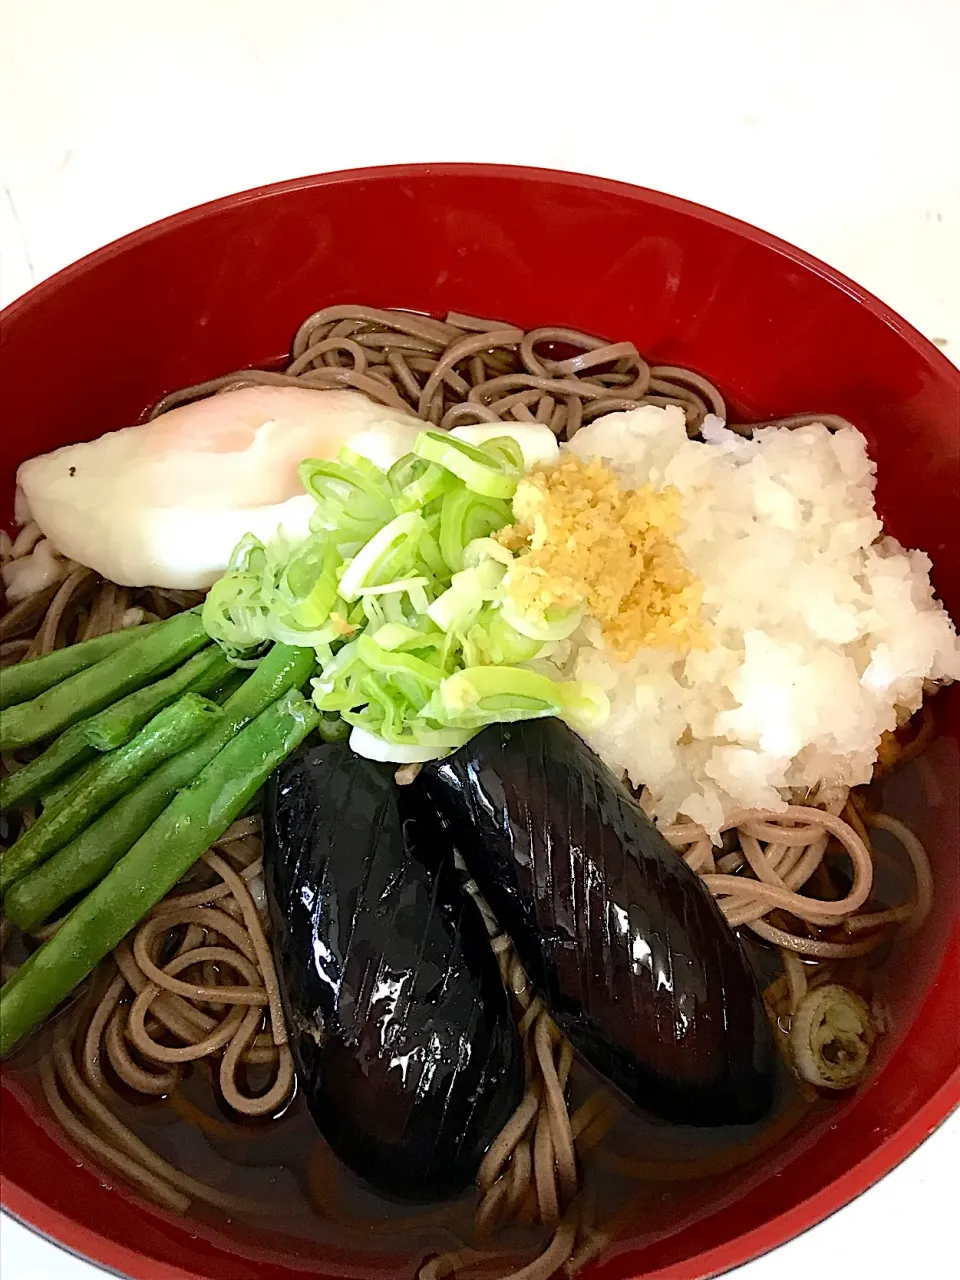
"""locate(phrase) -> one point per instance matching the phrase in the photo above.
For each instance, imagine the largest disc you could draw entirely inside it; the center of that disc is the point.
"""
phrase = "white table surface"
(834, 123)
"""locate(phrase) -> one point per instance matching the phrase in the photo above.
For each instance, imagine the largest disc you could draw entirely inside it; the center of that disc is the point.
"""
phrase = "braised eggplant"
(400, 1025)
(619, 937)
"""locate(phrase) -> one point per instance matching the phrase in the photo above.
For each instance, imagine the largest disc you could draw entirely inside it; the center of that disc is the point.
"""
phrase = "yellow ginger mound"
(581, 540)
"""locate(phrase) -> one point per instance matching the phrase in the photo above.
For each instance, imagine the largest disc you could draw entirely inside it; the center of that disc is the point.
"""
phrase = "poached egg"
(164, 504)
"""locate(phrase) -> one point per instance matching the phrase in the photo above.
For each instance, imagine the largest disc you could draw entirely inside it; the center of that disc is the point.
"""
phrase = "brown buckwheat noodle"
(466, 370)
(195, 981)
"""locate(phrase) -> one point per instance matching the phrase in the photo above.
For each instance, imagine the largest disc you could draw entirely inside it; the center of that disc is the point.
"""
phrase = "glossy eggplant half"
(400, 1026)
(618, 935)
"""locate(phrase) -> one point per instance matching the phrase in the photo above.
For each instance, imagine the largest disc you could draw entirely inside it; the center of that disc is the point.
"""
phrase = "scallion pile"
(400, 592)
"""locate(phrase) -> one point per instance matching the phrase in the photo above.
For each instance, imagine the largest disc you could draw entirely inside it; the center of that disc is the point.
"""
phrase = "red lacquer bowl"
(226, 284)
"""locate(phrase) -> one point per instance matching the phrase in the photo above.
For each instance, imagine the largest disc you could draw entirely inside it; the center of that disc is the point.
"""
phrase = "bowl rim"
(90, 1244)
(464, 169)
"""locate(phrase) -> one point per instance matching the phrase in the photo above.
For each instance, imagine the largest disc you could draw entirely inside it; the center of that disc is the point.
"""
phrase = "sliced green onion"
(384, 707)
(395, 635)
(480, 549)
(371, 745)
(233, 612)
(481, 472)
(548, 625)
(585, 706)
(390, 588)
(350, 503)
(454, 610)
(537, 442)
(392, 662)
(418, 598)
(394, 542)
(309, 581)
(466, 517)
(430, 554)
(359, 462)
(417, 482)
(469, 590)
(404, 471)
(492, 640)
(477, 696)
(505, 449)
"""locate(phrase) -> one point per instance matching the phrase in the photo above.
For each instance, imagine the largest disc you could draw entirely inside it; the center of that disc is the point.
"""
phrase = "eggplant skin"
(617, 934)
(400, 1025)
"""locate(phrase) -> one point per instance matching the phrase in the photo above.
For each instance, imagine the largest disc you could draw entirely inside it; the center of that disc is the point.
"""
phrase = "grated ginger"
(581, 540)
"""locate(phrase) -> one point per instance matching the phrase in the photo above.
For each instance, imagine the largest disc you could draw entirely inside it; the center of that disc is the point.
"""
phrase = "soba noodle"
(466, 370)
(195, 982)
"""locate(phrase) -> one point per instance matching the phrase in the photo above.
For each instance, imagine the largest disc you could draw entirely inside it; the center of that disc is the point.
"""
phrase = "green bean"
(111, 777)
(190, 823)
(222, 673)
(129, 668)
(90, 855)
(28, 679)
(53, 796)
(109, 729)
(60, 760)
(58, 792)
(116, 725)
(230, 686)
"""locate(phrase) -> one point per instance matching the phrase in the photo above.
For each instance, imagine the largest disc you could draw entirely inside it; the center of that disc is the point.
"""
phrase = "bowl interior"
(226, 285)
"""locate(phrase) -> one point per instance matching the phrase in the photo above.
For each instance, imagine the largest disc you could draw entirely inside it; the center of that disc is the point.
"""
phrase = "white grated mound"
(823, 631)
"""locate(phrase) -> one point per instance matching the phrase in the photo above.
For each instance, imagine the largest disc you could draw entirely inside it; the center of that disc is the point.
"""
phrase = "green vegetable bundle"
(133, 794)
(195, 817)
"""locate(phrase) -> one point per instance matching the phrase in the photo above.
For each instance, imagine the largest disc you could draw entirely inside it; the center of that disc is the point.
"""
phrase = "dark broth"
(303, 1202)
